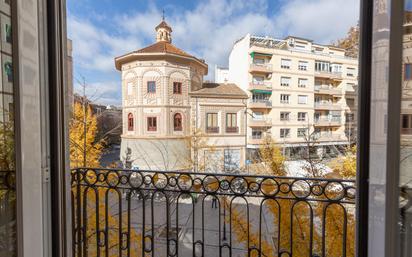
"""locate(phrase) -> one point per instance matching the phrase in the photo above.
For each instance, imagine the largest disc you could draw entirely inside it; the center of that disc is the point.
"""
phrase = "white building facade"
(168, 111)
(296, 88)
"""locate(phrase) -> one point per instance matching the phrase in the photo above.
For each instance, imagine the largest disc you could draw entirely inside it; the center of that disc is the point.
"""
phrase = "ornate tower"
(164, 32)
(156, 82)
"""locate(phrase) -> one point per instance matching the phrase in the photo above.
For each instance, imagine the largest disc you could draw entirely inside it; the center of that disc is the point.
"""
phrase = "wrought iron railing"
(148, 213)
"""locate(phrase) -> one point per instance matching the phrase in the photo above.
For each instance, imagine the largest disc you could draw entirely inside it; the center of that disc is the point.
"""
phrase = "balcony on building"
(327, 105)
(327, 90)
(260, 104)
(328, 122)
(261, 67)
(260, 86)
(328, 137)
(212, 130)
(232, 129)
(262, 122)
(157, 211)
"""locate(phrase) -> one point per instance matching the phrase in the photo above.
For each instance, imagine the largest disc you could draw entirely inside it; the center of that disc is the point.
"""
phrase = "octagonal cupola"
(163, 32)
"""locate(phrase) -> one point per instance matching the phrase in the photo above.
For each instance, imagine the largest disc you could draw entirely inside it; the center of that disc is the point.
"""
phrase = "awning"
(261, 91)
(252, 54)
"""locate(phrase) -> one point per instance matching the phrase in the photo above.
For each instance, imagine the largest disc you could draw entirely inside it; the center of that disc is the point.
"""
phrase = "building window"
(212, 123)
(231, 123)
(302, 99)
(350, 117)
(302, 83)
(130, 123)
(177, 87)
(302, 132)
(285, 63)
(408, 71)
(284, 132)
(259, 61)
(177, 122)
(285, 81)
(284, 116)
(322, 66)
(336, 68)
(302, 116)
(406, 124)
(303, 65)
(231, 160)
(350, 72)
(129, 88)
(151, 124)
(284, 99)
(151, 87)
(257, 134)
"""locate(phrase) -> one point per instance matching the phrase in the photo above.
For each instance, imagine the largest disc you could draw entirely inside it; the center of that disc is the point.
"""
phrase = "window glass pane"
(7, 139)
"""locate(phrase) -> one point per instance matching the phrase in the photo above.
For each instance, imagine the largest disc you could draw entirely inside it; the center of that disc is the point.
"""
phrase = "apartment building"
(296, 87)
(172, 120)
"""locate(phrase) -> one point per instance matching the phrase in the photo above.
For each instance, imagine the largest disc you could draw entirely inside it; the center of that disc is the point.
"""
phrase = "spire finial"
(163, 14)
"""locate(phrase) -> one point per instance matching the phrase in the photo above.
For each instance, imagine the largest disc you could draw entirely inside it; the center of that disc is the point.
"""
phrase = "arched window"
(130, 122)
(177, 122)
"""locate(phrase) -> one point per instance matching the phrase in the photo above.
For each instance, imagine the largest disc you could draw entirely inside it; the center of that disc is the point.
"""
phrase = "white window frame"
(303, 85)
(301, 97)
(285, 63)
(284, 116)
(284, 132)
(285, 81)
(284, 98)
(302, 116)
(303, 65)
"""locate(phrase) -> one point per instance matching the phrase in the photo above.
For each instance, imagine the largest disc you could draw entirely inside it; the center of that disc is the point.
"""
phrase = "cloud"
(95, 48)
(323, 21)
(105, 92)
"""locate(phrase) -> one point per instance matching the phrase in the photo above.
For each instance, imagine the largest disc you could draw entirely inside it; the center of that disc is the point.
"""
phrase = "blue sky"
(104, 29)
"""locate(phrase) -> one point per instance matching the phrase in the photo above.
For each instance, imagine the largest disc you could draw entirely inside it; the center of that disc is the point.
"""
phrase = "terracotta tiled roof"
(164, 47)
(163, 24)
(220, 90)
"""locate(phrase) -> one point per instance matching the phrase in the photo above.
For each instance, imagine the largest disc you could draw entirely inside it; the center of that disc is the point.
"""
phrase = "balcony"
(232, 129)
(260, 104)
(327, 90)
(328, 75)
(141, 213)
(327, 106)
(255, 140)
(264, 122)
(350, 94)
(261, 67)
(406, 131)
(326, 137)
(260, 85)
(328, 122)
(212, 130)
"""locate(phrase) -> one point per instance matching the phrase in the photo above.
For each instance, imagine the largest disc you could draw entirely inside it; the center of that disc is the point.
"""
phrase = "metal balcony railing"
(232, 129)
(158, 213)
(261, 67)
(260, 85)
(212, 130)
(259, 103)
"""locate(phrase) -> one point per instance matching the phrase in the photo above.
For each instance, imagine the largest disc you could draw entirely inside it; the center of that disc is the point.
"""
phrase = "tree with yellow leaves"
(85, 149)
(351, 42)
(272, 157)
(299, 221)
(7, 161)
(345, 165)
